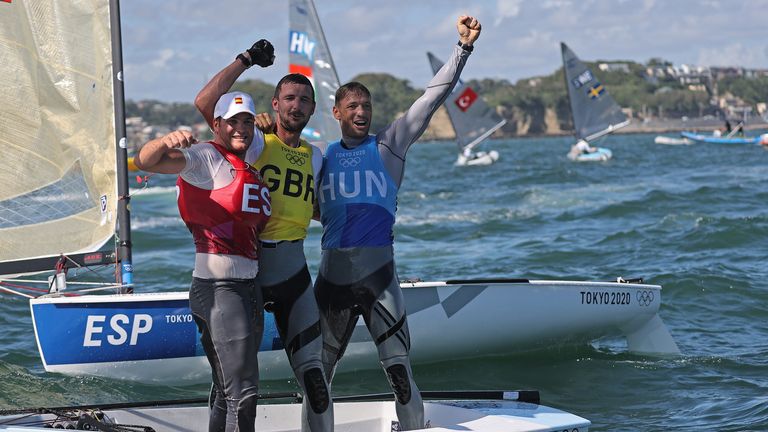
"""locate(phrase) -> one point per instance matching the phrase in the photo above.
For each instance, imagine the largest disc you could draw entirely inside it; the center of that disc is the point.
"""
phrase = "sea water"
(690, 218)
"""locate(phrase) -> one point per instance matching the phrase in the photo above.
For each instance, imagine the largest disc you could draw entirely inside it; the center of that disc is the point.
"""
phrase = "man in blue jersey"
(357, 200)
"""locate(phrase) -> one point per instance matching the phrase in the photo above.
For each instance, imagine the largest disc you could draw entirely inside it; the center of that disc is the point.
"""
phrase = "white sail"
(309, 55)
(57, 128)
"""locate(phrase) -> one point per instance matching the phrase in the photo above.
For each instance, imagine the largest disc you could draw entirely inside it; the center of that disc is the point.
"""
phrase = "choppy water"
(691, 218)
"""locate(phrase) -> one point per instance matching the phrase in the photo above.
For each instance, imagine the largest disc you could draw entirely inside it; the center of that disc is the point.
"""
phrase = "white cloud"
(171, 47)
(506, 9)
(730, 55)
(164, 56)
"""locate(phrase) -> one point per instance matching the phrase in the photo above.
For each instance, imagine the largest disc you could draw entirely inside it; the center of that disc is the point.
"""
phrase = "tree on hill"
(530, 105)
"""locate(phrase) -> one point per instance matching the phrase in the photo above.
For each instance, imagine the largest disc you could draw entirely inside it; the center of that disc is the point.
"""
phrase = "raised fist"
(262, 53)
(469, 29)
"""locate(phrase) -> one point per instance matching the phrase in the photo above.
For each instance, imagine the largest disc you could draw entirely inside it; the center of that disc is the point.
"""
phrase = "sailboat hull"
(368, 416)
(711, 139)
(478, 158)
(599, 155)
(152, 337)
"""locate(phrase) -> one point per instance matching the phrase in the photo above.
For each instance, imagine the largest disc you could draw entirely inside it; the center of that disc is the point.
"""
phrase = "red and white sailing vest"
(227, 220)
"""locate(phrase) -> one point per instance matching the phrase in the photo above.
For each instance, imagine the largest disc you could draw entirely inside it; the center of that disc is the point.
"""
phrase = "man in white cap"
(225, 204)
(289, 166)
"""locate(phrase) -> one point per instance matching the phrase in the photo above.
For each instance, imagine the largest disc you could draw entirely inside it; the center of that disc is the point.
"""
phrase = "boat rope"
(4, 288)
(92, 420)
(143, 180)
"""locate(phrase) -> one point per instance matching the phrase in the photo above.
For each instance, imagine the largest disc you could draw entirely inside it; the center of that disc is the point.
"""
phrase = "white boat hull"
(661, 139)
(151, 337)
(477, 158)
(599, 155)
(349, 416)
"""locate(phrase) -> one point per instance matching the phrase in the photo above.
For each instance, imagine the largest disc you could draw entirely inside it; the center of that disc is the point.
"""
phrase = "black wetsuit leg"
(287, 289)
(231, 330)
(363, 281)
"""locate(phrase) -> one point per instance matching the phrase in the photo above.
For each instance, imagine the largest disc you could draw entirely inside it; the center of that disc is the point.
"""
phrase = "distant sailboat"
(472, 119)
(309, 55)
(594, 112)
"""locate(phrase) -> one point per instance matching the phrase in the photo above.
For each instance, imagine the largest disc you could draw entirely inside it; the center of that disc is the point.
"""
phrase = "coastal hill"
(657, 96)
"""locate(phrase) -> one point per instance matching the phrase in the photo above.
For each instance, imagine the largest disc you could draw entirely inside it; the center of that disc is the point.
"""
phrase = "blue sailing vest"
(357, 196)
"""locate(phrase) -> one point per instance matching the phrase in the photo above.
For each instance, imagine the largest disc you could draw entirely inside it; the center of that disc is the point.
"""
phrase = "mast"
(124, 198)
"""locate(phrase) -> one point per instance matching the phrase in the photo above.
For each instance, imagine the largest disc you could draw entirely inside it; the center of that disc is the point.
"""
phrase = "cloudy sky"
(172, 47)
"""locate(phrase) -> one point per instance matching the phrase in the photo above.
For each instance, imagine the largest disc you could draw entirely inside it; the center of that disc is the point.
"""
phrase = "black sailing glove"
(262, 53)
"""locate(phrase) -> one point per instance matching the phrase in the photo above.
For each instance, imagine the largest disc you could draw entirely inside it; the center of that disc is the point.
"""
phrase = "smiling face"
(235, 133)
(293, 105)
(354, 112)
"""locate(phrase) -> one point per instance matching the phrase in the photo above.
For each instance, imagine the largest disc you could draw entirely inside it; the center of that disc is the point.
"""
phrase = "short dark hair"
(294, 78)
(353, 87)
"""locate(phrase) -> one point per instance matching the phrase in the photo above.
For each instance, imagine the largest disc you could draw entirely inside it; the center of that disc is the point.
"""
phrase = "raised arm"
(407, 129)
(261, 53)
(162, 155)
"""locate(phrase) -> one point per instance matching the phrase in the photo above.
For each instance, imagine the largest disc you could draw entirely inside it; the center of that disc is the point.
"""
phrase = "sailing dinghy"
(727, 139)
(662, 139)
(594, 112)
(57, 88)
(472, 119)
(487, 411)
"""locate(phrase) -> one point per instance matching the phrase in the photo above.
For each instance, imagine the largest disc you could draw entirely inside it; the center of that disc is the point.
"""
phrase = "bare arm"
(162, 155)
(261, 53)
(217, 86)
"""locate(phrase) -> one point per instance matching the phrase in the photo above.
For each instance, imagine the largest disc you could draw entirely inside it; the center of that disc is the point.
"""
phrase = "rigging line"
(102, 288)
(30, 288)
(69, 283)
(16, 292)
(143, 180)
(79, 267)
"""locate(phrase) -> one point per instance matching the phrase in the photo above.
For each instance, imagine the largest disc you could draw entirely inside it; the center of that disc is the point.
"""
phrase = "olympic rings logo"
(645, 297)
(295, 159)
(350, 162)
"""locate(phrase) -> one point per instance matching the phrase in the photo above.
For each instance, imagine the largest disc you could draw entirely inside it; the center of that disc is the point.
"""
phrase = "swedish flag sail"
(594, 111)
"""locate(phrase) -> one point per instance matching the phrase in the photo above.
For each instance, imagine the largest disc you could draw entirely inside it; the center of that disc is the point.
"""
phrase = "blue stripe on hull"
(124, 331)
(719, 140)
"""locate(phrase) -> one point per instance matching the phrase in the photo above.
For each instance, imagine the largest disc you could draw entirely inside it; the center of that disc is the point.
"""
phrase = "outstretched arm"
(407, 129)
(217, 86)
(261, 53)
(162, 155)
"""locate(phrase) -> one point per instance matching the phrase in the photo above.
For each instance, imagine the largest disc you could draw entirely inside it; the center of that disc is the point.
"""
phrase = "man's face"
(354, 114)
(293, 106)
(236, 132)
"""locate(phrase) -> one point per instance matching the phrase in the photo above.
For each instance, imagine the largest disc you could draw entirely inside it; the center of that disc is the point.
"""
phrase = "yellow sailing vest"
(288, 173)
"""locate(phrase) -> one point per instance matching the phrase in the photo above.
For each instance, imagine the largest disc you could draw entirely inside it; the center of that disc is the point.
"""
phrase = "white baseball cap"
(230, 104)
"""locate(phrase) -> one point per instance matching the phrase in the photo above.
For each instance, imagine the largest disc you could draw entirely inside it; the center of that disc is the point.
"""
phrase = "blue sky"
(172, 47)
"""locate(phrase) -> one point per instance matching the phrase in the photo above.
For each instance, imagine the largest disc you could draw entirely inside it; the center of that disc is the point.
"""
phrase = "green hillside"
(532, 106)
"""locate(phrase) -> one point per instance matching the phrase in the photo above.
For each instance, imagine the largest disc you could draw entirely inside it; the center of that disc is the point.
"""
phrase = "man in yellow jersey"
(289, 167)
